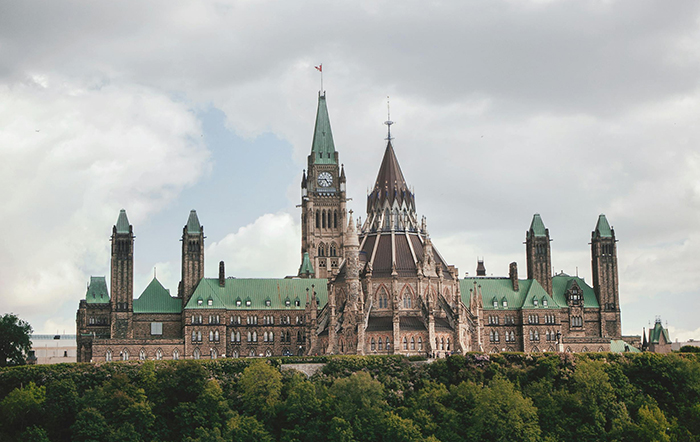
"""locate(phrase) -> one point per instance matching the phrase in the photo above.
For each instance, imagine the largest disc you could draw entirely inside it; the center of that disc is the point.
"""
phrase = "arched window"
(380, 344)
(299, 336)
(142, 355)
(448, 342)
(318, 220)
(251, 353)
(235, 353)
(213, 353)
(321, 250)
(372, 344)
(199, 336)
(386, 342)
(413, 343)
(537, 335)
(255, 336)
(512, 336)
(323, 219)
(125, 355)
(272, 336)
(387, 219)
(159, 354)
(532, 335)
(335, 219)
(330, 224)
(405, 343)
(442, 343)
(176, 354)
(108, 356)
(194, 335)
(211, 335)
(196, 354)
(333, 250)
(250, 337)
(420, 343)
(268, 352)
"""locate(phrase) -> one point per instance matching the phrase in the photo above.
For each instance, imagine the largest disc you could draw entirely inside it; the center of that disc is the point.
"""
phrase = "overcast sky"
(503, 109)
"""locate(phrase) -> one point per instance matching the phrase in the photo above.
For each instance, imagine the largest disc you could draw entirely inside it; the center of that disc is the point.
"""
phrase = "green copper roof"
(602, 228)
(280, 293)
(122, 222)
(501, 289)
(537, 226)
(156, 299)
(193, 226)
(656, 333)
(306, 267)
(562, 282)
(322, 148)
(97, 291)
(620, 346)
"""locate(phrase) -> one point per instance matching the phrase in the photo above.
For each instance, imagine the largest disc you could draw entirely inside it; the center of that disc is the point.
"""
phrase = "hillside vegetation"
(506, 397)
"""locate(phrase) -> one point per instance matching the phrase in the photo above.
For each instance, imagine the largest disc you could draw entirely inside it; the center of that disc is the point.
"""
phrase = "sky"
(502, 108)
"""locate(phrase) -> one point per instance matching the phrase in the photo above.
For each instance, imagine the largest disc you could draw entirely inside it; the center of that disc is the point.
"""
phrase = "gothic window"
(420, 343)
(405, 343)
(380, 344)
(196, 354)
(329, 220)
(318, 220)
(372, 344)
(108, 356)
(413, 343)
(495, 336)
(213, 353)
(333, 251)
(251, 353)
(194, 335)
(299, 336)
(537, 335)
(387, 219)
(386, 342)
(442, 343)
(512, 336)
(532, 335)
(268, 352)
(255, 336)
(199, 336)
(142, 355)
(216, 335)
(321, 250)
(125, 355)
(250, 337)
(211, 335)
(335, 221)
(323, 219)
(448, 342)
(176, 354)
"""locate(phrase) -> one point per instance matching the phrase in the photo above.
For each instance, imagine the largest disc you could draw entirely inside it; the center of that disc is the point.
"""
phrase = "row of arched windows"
(124, 355)
(576, 321)
(378, 345)
(331, 250)
(412, 343)
(326, 219)
(441, 344)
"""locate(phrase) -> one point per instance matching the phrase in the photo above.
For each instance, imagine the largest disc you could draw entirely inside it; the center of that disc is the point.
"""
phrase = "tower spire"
(388, 121)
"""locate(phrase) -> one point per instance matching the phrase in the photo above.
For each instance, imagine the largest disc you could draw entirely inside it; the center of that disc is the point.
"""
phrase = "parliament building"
(375, 287)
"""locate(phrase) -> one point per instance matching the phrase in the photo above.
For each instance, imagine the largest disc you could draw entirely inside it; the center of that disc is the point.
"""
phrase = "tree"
(260, 387)
(14, 340)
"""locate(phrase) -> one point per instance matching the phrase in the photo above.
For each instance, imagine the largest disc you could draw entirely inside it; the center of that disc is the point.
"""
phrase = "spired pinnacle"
(388, 121)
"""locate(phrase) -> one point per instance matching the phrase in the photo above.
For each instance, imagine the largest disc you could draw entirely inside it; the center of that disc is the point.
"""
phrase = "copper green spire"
(537, 226)
(602, 228)
(306, 269)
(322, 148)
(193, 226)
(122, 222)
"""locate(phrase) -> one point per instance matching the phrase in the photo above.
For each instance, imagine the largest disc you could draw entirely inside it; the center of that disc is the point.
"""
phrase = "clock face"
(325, 179)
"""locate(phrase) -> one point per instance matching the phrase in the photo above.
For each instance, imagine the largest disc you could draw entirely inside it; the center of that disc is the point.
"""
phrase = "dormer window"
(287, 303)
(544, 302)
(297, 303)
(267, 303)
(535, 302)
(199, 301)
(495, 303)
(247, 302)
(505, 303)
(238, 302)
(210, 301)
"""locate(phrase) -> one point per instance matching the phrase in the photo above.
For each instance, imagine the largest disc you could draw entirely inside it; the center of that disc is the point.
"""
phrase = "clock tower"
(323, 202)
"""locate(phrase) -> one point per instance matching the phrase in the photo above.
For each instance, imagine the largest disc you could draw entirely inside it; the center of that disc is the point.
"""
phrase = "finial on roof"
(388, 121)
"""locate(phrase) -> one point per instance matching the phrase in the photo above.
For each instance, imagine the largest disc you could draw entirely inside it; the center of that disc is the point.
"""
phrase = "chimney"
(222, 274)
(480, 268)
(513, 272)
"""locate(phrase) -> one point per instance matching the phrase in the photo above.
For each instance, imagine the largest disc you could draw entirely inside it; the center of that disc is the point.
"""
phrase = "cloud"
(268, 247)
(72, 155)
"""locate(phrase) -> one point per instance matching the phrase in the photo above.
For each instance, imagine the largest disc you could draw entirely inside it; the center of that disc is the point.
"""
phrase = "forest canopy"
(504, 397)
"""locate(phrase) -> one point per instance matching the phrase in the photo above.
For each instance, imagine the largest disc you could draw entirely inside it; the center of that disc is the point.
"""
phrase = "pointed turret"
(605, 278)
(602, 228)
(538, 251)
(193, 226)
(122, 278)
(192, 270)
(391, 204)
(122, 225)
(322, 147)
(306, 270)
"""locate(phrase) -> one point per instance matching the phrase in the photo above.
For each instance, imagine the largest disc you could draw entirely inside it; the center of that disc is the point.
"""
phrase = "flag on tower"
(319, 67)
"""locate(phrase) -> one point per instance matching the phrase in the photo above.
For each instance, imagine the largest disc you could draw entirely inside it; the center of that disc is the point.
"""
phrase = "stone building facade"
(373, 287)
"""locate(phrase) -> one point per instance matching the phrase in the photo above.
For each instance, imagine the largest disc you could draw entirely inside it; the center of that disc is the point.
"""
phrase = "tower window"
(318, 221)
(335, 219)
(323, 219)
